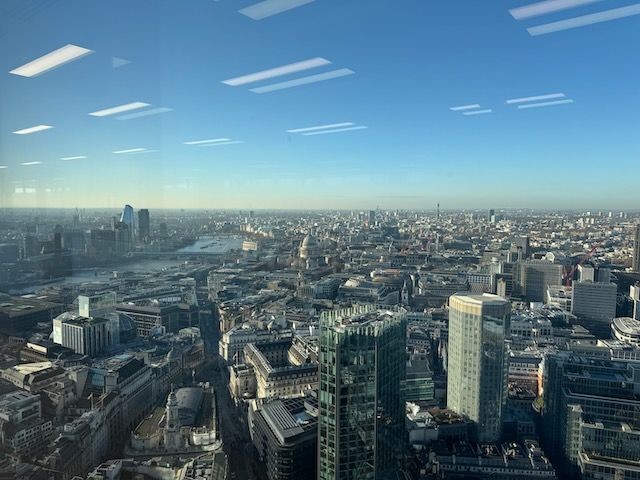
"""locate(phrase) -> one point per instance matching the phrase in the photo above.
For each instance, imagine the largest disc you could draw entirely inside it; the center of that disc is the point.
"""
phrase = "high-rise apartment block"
(478, 361)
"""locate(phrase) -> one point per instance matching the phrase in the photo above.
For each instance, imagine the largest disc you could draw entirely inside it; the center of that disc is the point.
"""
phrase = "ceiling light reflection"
(269, 8)
(321, 127)
(212, 140)
(536, 98)
(337, 130)
(343, 72)
(119, 109)
(51, 60)
(546, 7)
(585, 20)
(37, 128)
(478, 112)
(545, 104)
(278, 71)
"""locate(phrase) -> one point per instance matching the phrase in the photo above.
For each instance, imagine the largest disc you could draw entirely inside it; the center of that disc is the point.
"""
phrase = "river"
(205, 245)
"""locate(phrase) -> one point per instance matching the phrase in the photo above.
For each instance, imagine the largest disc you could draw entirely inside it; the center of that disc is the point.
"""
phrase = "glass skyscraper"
(362, 409)
(127, 217)
(144, 224)
(478, 361)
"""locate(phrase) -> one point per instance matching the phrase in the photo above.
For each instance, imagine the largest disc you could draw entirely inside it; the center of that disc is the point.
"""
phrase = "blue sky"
(413, 60)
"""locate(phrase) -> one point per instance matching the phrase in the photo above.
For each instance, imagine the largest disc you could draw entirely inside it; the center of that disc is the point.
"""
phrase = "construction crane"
(569, 272)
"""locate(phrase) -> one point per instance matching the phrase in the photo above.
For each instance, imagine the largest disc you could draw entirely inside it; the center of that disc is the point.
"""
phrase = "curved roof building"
(626, 330)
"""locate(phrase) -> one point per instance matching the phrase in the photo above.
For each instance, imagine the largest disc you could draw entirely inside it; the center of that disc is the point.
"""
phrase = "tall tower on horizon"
(635, 264)
(361, 416)
(144, 225)
(478, 361)
(127, 217)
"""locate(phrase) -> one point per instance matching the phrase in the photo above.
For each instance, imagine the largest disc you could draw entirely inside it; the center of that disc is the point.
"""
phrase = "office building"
(30, 246)
(524, 367)
(102, 243)
(152, 316)
(590, 416)
(285, 435)
(520, 249)
(362, 408)
(478, 361)
(586, 273)
(95, 305)
(144, 225)
(89, 336)
(533, 277)
(21, 314)
(635, 264)
(275, 375)
(508, 461)
(594, 304)
(123, 238)
(419, 386)
(23, 431)
(559, 296)
(608, 450)
(232, 343)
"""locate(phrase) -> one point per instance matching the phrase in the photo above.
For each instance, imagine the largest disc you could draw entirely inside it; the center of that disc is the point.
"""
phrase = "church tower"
(172, 435)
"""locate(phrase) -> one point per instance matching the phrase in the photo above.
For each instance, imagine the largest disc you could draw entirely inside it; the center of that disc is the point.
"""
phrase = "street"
(234, 432)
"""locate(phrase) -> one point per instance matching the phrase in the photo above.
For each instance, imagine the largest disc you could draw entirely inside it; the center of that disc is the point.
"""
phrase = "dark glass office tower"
(144, 224)
(362, 366)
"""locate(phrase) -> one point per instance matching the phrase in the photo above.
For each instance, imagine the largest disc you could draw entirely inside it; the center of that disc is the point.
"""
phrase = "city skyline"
(319, 345)
(409, 102)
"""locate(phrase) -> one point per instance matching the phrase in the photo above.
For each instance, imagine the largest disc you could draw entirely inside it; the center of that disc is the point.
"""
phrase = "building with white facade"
(478, 361)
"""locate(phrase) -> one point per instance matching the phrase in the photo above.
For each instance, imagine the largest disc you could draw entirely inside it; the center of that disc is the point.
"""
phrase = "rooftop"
(288, 418)
(150, 425)
(483, 299)
(627, 326)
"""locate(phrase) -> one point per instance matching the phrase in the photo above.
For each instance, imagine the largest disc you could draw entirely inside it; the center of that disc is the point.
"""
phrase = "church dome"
(308, 247)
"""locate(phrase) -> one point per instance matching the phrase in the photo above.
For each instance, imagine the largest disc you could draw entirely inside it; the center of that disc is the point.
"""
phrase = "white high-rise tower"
(478, 361)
